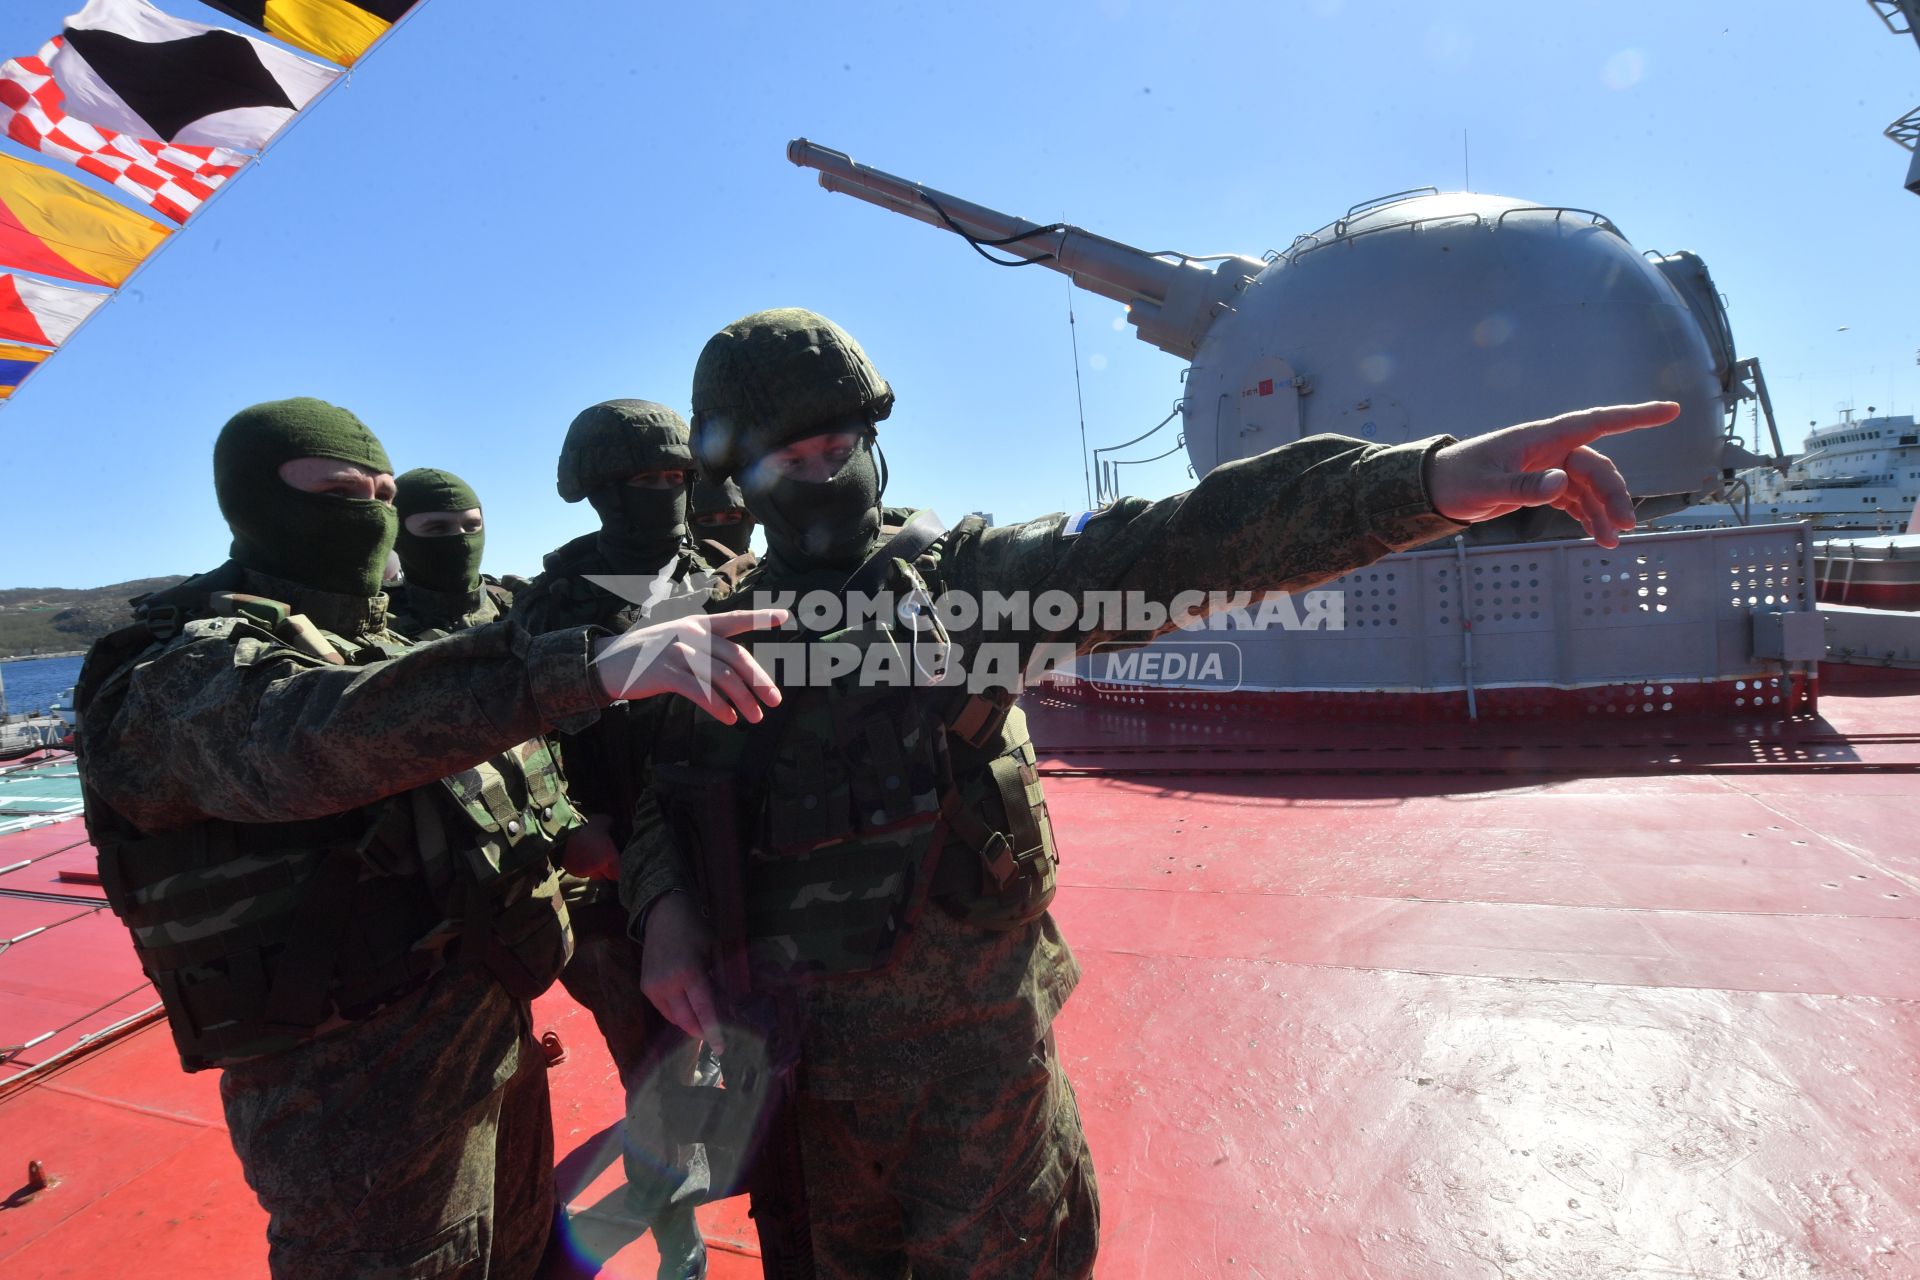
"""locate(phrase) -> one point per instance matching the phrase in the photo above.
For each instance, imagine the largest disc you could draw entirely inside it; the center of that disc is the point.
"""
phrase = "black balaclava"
(449, 562)
(320, 540)
(710, 498)
(820, 524)
(640, 529)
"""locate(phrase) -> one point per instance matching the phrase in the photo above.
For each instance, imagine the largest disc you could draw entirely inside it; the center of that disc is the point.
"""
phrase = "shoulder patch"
(1076, 524)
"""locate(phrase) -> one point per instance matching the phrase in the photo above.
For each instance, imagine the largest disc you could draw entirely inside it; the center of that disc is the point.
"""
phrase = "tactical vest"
(495, 602)
(259, 936)
(606, 760)
(563, 597)
(862, 802)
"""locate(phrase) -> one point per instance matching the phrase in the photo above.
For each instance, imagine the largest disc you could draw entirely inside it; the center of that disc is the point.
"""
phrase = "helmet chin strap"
(880, 455)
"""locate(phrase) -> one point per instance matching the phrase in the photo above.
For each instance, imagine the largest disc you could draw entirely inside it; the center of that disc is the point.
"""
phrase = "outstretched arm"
(1295, 517)
(250, 731)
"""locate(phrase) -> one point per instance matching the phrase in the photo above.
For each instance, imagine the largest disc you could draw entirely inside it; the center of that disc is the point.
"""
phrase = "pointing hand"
(693, 658)
(1545, 464)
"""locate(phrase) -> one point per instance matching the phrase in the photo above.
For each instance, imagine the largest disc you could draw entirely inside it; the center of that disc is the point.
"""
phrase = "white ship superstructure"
(1855, 474)
(1861, 474)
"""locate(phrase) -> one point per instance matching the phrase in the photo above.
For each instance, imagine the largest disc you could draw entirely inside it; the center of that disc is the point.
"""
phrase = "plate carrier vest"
(259, 936)
(857, 802)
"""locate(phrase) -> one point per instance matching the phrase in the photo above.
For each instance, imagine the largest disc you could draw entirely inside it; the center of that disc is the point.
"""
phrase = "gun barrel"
(840, 172)
(1142, 280)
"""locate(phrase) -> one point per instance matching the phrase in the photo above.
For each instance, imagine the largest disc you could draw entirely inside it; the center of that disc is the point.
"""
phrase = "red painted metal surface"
(37, 842)
(1874, 595)
(54, 860)
(1532, 998)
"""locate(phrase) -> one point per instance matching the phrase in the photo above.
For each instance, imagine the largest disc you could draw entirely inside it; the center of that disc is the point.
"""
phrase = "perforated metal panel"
(1625, 625)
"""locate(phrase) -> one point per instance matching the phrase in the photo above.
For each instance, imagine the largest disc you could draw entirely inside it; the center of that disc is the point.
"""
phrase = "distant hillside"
(62, 619)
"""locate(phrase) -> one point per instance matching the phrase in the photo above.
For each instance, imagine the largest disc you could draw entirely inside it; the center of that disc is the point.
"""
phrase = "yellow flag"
(53, 226)
(336, 30)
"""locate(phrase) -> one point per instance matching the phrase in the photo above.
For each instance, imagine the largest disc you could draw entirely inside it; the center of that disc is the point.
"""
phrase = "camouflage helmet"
(620, 438)
(775, 377)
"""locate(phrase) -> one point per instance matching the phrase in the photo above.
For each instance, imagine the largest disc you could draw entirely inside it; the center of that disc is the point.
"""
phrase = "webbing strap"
(143, 860)
(1008, 778)
(979, 719)
(991, 850)
(915, 536)
(142, 911)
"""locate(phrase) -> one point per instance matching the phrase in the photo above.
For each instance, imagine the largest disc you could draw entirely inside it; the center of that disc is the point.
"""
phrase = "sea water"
(32, 684)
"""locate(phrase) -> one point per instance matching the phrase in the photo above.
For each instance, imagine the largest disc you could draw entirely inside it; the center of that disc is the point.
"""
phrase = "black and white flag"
(125, 65)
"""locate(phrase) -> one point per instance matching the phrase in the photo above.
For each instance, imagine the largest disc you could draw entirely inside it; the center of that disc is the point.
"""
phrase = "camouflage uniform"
(606, 756)
(332, 856)
(421, 613)
(417, 1139)
(938, 1132)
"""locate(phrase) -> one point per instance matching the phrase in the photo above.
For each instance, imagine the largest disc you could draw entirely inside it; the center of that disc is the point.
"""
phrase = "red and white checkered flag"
(171, 178)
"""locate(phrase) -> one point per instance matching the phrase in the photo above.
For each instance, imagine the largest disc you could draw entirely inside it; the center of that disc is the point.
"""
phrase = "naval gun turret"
(1421, 313)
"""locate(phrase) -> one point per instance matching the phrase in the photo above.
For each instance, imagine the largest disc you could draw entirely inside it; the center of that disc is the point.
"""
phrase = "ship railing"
(1343, 236)
(1340, 227)
(1558, 211)
(1308, 243)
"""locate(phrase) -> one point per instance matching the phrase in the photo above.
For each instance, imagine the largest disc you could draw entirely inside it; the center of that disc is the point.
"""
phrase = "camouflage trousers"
(417, 1145)
(664, 1180)
(981, 1176)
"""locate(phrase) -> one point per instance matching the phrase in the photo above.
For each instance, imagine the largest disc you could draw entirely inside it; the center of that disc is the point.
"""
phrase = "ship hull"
(1878, 572)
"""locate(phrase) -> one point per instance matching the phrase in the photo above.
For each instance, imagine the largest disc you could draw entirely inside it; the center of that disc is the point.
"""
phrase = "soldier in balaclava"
(629, 459)
(891, 846)
(442, 537)
(333, 851)
(722, 525)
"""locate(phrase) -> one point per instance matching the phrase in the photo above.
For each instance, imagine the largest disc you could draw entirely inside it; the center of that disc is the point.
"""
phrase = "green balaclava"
(319, 540)
(447, 562)
(716, 498)
(820, 524)
(640, 529)
(776, 377)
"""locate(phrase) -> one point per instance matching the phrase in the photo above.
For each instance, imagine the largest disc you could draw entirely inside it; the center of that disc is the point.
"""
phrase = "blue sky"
(498, 221)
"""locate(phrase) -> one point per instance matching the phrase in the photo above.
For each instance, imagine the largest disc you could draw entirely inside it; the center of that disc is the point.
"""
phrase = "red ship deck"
(1526, 1000)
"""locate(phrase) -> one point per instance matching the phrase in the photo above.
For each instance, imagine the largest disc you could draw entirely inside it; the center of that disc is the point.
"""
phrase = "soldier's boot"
(683, 1253)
